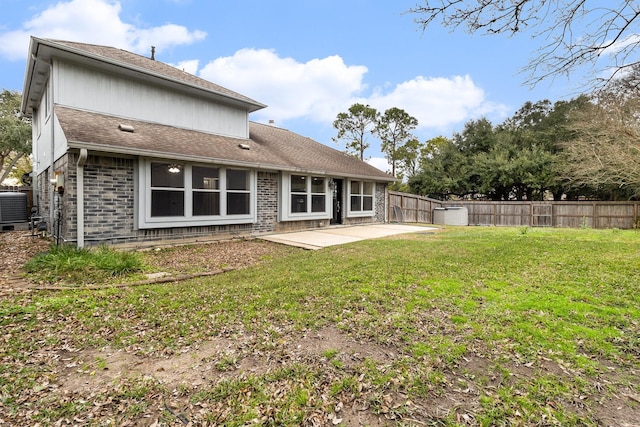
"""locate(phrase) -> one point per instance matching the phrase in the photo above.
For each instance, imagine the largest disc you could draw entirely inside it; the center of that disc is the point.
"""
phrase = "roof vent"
(153, 53)
(244, 146)
(125, 128)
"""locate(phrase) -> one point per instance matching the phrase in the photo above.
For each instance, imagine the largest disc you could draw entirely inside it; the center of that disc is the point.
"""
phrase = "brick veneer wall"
(267, 215)
(110, 208)
(381, 205)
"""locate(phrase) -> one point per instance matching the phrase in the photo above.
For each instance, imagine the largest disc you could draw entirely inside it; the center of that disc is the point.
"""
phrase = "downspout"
(82, 159)
(52, 202)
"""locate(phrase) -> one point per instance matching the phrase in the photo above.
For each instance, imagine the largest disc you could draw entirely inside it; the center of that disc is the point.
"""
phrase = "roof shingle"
(270, 147)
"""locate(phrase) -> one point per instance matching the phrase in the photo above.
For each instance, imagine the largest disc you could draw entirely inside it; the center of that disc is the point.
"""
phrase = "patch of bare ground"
(83, 374)
(210, 256)
(85, 371)
(16, 248)
(476, 375)
(88, 373)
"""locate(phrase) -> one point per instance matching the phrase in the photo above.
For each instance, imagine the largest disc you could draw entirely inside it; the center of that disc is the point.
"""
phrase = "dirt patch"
(16, 248)
(86, 371)
(203, 257)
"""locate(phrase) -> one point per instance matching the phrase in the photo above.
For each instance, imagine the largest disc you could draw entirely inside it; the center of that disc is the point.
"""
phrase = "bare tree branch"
(605, 152)
(574, 33)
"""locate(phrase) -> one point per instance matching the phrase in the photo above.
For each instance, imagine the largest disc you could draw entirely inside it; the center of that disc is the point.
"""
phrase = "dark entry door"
(336, 217)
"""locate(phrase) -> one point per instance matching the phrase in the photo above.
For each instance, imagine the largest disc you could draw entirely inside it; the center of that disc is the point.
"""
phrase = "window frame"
(286, 198)
(361, 212)
(145, 220)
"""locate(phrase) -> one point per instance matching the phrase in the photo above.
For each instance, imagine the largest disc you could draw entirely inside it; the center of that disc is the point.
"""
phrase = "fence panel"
(414, 208)
(513, 215)
(541, 215)
(616, 216)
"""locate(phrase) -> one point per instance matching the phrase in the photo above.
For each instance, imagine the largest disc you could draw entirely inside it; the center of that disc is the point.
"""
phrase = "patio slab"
(338, 235)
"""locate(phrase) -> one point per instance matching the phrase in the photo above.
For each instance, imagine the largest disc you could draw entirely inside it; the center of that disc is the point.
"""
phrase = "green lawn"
(470, 326)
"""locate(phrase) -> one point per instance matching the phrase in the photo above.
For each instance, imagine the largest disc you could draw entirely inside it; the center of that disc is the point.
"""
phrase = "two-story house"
(129, 150)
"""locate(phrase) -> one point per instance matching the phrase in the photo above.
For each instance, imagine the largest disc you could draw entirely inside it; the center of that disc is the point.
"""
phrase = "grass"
(79, 266)
(520, 327)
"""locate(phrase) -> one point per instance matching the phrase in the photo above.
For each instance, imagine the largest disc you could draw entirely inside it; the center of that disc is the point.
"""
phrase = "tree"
(518, 159)
(408, 157)
(442, 174)
(15, 133)
(540, 130)
(394, 130)
(574, 35)
(354, 126)
(604, 153)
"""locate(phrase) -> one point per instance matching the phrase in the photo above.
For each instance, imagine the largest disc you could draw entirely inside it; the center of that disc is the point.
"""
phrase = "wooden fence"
(405, 207)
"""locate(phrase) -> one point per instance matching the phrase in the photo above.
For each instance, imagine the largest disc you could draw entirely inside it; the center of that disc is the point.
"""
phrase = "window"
(318, 195)
(299, 194)
(308, 192)
(206, 190)
(361, 195)
(238, 192)
(304, 197)
(167, 190)
(183, 194)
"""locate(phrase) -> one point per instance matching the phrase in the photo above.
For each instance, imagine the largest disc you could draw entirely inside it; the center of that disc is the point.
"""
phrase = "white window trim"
(145, 220)
(285, 199)
(360, 214)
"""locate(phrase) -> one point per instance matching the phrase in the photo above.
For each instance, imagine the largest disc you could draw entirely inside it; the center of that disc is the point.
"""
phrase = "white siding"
(46, 125)
(94, 90)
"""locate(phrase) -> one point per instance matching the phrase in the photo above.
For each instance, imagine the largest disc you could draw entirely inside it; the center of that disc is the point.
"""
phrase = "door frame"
(337, 204)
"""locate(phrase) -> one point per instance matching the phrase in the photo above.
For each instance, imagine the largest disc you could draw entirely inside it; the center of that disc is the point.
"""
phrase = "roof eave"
(125, 151)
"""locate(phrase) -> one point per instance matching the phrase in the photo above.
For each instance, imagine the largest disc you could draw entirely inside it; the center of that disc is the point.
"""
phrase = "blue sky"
(308, 60)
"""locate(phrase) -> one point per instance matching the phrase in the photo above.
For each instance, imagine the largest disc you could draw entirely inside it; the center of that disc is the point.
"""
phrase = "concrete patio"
(338, 235)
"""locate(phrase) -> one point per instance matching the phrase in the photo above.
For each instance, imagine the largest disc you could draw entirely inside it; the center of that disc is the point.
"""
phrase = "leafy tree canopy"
(15, 133)
(394, 130)
(354, 126)
(518, 159)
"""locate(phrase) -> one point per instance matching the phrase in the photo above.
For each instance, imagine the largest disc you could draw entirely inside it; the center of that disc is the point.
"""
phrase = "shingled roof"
(269, 147)
(44, 49)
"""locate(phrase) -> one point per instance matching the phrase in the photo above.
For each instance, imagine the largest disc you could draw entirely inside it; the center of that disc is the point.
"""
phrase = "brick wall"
(109, 204)
(110, 207)
(267, 202)
(381, 202)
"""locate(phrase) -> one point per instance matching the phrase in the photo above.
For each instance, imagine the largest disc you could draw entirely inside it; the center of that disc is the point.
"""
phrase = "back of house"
(129, 150)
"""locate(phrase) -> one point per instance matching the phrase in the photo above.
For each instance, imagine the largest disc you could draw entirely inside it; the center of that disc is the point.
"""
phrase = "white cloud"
(436, 102)
(190, 66)
(380, 163)
(317, 89)
(321, 88)
(93, 21)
